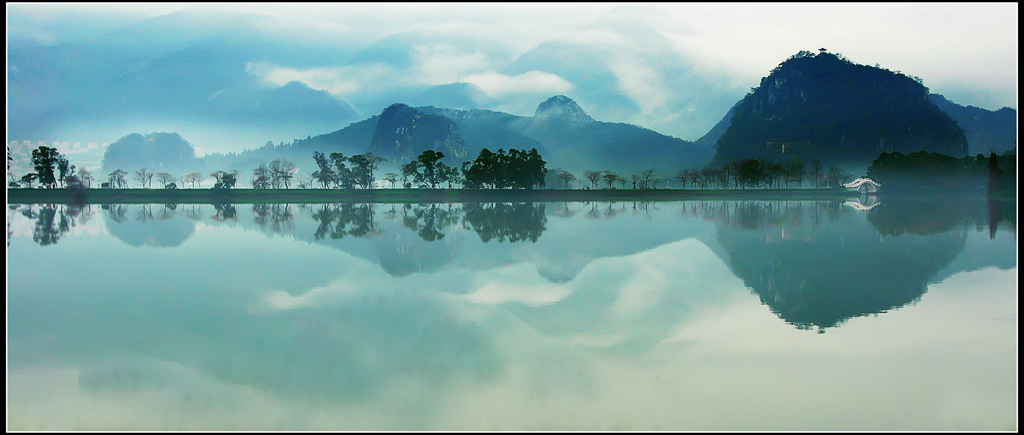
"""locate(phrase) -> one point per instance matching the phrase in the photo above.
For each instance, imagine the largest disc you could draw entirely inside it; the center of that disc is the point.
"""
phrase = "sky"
(964, 51)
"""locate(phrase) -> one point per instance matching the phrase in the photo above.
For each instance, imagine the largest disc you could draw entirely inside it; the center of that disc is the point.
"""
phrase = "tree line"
(741, 174)
(522, 169)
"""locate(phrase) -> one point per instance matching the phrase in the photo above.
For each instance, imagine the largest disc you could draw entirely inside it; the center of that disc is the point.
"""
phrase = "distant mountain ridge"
(564, 134)
(986, 130)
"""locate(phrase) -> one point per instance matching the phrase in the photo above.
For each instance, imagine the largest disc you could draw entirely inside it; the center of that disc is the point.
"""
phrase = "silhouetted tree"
(324, 174)
(261, 178)
(166, 179)
(193, 178)
(44, 159)
(224, 180)
(610, 177)
(593, 177)
(144, 176)
(29, 178)
(64, 169)
(391, 177)
(117, 179)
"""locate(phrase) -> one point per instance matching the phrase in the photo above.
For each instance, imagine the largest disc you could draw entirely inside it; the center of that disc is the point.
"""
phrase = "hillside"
(564, 134)
(822, 106)
(986, 130)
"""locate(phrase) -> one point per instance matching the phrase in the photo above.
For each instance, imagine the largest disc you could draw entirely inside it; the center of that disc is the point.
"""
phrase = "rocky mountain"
(561, 108)
(403, 133)
(986, 130)
(822, 106)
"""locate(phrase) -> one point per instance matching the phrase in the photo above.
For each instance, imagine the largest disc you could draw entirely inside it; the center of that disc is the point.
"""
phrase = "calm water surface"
(697, 315)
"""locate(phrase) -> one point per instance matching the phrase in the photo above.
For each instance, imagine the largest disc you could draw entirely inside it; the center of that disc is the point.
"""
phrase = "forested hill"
(987, 130)
(824, 107)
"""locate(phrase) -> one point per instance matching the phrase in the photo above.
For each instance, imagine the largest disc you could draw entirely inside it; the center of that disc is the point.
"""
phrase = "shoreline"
(256, 196)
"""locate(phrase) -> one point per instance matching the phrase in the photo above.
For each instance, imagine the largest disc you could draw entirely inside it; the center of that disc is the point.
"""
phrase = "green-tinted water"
(698, 315)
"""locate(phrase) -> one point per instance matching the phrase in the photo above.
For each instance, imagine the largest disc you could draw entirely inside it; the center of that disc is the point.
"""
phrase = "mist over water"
(805, 315)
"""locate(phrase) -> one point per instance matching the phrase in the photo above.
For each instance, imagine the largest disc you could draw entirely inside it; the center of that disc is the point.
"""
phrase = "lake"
(867, 314)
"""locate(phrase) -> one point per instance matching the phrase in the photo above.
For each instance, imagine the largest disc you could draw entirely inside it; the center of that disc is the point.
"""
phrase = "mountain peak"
(562, 107)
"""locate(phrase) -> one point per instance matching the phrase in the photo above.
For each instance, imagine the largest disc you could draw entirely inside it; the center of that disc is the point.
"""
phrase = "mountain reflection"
(817, 264)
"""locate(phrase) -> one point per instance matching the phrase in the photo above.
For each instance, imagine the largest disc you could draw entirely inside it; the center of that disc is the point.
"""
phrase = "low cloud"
(338, 81)
(499, 85)
(441, 64)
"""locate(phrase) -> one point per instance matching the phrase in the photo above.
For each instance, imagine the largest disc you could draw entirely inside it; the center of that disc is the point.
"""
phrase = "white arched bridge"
(863, 185)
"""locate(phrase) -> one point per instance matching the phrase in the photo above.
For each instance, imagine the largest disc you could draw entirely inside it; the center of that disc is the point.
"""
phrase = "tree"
(646, 176)
(372, 164)
(518, 169)
(166, 179)
(261, 177)
(795, 172)
(682, 176)
(391, 177)
(193, 177)
(86, 177)
(343, 176)
(64, 168)
(287, 172)
(44, 159)
(447, 174)
(117, 179)
(835, 176)
(325, 174)
(144, 176)
(816, 171)
(29, 178)
(610, 177)
(565, 176)
(993, 174)
(409, 170)
(224, 179)
(362, 174)
(274, 174)
(750, 173)
(593, 176)
(426, 168)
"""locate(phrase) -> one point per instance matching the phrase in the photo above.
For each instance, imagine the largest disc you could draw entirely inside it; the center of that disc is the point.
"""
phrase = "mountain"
(561, 131)
(822, 106)
(561, 108)
(986, 130)
(403, 133)
(195, 71)
(623, 70)
(577, 142)
(158, 152)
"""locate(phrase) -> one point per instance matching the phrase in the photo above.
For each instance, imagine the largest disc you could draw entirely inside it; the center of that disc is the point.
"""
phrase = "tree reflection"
(224, 212)
(345, 219)
(506, 222)
(428, 221)
(52, 221)
(922, 215)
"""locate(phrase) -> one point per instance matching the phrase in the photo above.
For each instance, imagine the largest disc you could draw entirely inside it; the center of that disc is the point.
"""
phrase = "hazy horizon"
(678, 80)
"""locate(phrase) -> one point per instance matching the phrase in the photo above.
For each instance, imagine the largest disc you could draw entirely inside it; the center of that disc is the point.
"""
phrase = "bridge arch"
(864, 185)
